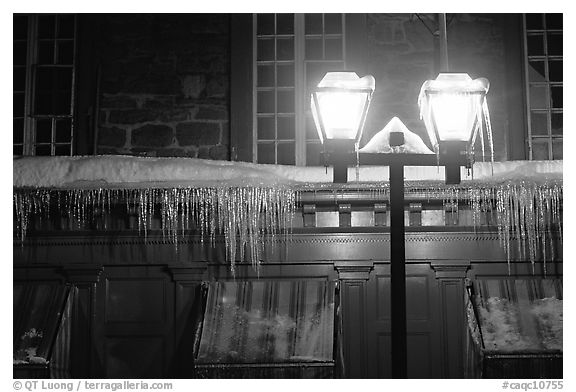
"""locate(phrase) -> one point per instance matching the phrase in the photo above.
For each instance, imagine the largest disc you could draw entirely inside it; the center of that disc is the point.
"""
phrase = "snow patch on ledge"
(138, 172)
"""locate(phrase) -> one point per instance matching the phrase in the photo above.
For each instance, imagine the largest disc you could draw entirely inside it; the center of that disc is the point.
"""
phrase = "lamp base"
(340, 174)
(452, 174)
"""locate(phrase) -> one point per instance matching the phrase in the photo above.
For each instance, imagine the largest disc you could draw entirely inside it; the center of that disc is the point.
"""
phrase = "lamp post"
(451, 134)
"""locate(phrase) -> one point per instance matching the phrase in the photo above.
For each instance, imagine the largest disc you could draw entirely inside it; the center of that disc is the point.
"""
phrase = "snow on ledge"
(137, 172)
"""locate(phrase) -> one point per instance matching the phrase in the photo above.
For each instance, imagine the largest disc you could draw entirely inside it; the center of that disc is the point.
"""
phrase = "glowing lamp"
(339, 106)
(453, 107)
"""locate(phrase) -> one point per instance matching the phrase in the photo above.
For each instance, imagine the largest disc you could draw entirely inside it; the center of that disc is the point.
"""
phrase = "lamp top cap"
(461, 82)
(347, 80)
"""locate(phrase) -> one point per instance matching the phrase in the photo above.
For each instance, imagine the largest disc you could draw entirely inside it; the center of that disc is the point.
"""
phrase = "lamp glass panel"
(316, 119)
(341, 113)
(311, 131)
(454, 115)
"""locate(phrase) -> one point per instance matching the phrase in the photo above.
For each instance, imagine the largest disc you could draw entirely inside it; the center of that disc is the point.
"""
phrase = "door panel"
(423, 323)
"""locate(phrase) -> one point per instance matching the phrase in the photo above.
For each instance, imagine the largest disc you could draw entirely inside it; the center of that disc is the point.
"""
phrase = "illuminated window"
(544, 84)
(43, 84)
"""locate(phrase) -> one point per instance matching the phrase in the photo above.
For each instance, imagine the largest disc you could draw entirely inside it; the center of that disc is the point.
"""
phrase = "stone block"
(219, 152)
(212, 113)
(217, 87)
(158, 102)
(143, 152)
(197, 134)
(102, 116)
(110, 151)
(177, 152)
(204, 153)
(118, 102)
(192, 86)
(131, 116)
(152, 136)
(161, 84)
(111, 136)
(176, 114)
(225, 133)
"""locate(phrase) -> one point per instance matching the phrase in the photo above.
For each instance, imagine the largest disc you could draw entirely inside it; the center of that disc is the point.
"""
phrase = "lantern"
(454, 110)
(339, 106)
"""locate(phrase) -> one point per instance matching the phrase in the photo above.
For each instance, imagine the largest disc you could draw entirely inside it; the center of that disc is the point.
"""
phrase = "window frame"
(242, 122)
(550, 137)
(32, 67)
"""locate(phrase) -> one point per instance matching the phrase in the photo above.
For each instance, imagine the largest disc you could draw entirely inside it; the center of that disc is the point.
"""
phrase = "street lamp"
(451, 109)
(339, 107)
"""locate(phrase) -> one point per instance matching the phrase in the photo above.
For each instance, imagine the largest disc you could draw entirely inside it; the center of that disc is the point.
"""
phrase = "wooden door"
(134, 327)
(366, 313)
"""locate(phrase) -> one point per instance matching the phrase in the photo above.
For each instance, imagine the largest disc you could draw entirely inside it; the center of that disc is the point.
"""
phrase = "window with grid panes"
(43, 84)
(544, 79)
(292, 52)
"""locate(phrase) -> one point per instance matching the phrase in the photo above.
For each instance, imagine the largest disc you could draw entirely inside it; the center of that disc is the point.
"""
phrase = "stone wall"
(401, 56)
(164, 85)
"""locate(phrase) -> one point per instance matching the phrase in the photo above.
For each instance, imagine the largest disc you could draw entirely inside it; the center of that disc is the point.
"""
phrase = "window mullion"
(254, 90)
(300, 89)
(29, 125)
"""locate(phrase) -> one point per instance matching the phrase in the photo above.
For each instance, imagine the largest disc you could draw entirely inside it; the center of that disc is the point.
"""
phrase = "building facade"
(234, 87)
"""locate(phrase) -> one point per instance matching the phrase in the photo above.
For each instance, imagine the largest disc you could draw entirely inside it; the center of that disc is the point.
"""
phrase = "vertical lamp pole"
(398, 271)
(443, 36)
(451, 109)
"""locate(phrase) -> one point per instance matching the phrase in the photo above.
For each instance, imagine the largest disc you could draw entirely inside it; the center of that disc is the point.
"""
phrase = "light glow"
(341, 112)
(339, 105)
(454, 115)
(454, 108)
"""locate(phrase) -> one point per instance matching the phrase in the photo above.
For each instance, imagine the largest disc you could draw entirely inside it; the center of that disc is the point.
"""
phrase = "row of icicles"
(247, 217)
